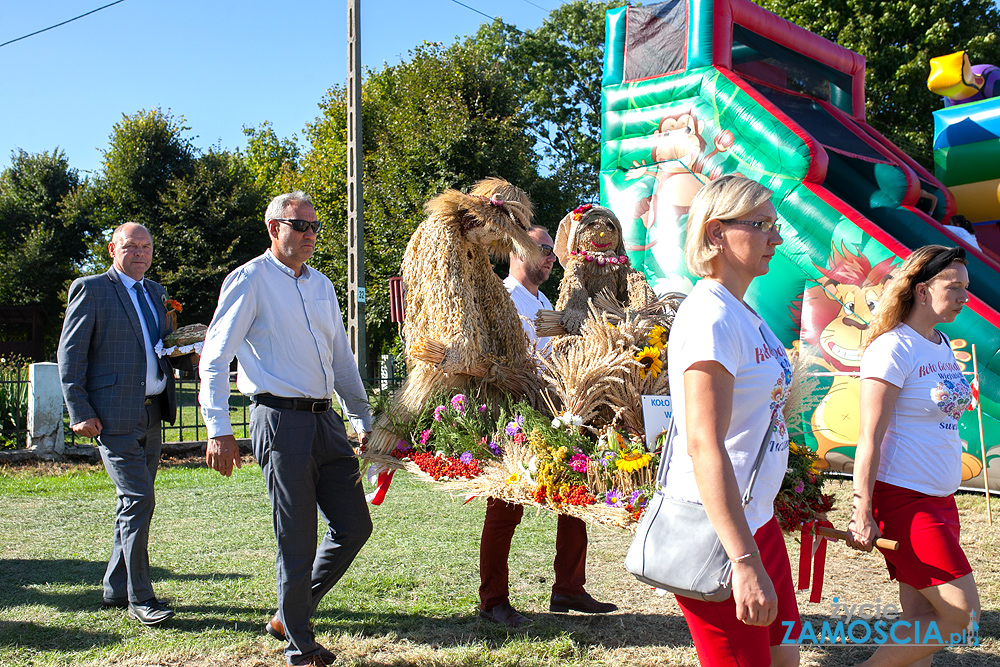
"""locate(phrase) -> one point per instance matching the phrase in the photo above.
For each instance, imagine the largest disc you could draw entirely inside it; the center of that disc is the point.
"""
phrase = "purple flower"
(578, 462)
(495, 448)
(458, 403)
(800, 487)
(425, 436)
(637, 499)
(403, 446)
(513, 427)
(438, 411)
(466, 458)
(483, 408)
(613, 498)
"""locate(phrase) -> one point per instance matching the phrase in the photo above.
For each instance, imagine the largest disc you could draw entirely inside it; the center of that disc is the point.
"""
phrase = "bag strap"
(668, 447)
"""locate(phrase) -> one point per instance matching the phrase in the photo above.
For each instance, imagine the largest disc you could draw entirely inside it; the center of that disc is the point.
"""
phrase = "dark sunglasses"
(301, 225)
(546, 250)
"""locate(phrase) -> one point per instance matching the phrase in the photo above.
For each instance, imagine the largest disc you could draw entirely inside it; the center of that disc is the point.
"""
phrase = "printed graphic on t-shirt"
(952, 396)
(779, 395)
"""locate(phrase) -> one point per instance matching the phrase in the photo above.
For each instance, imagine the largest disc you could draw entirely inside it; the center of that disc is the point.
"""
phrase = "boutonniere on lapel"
(173, 307)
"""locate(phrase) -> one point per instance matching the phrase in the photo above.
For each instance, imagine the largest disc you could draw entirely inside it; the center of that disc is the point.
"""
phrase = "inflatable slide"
(694, 89)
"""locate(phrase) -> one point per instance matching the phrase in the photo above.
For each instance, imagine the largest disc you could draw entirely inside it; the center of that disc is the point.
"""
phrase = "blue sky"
(221, 64)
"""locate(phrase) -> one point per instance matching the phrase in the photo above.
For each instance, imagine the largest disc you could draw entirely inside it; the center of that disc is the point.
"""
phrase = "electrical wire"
(492, 18)
(32, 34)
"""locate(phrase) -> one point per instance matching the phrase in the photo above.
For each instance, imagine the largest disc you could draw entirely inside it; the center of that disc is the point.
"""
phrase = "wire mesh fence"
(13, 403)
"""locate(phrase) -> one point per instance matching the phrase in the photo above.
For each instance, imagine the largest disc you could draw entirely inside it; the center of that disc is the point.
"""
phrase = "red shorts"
(926, 528)
(722, 639)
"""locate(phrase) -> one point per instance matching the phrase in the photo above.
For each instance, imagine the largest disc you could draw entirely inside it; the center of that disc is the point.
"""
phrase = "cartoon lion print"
(835, 315)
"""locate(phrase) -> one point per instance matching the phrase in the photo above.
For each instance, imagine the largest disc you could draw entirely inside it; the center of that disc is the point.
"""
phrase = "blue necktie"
(151, 326)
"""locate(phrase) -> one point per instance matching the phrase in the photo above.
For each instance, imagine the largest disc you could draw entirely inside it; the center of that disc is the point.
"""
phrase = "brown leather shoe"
(582, 602)
(275, 628)
(505, 615)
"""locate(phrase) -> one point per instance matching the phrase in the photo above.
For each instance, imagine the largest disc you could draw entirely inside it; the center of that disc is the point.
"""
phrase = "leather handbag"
(675, 546)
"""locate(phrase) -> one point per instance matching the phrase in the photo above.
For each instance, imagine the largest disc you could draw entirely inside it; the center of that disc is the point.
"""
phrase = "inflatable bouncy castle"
(967, 140)
(694, 89)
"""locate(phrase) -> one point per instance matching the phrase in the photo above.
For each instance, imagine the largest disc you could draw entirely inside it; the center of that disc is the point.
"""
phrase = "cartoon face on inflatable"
(679, 138)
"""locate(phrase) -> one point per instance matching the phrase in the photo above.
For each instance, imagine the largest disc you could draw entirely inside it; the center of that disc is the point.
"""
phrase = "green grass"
(409, 599)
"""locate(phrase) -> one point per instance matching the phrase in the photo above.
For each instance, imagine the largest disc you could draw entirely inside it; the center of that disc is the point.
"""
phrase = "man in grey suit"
(117, 390)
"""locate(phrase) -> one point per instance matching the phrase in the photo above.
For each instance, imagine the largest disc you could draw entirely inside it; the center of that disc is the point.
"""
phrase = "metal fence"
(189, 425)
(13, 405)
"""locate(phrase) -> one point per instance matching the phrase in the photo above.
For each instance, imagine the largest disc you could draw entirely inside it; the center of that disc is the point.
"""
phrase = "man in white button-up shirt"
(282, 322)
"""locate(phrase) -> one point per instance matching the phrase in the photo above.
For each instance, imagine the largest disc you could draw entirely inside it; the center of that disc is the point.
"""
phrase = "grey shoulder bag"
(675, 546)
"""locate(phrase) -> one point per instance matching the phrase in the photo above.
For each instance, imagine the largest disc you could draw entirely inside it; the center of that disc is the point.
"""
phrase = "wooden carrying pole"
(834, 534)
(982, 439)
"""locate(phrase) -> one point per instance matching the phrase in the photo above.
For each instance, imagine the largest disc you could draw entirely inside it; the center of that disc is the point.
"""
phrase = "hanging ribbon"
(381, 478)
(812, 557)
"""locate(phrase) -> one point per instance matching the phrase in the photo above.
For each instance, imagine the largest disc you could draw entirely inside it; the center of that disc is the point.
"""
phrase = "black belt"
(308, 404)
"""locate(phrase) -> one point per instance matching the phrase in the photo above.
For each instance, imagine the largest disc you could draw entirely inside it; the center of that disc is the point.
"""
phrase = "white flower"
(556, 423)
(575, 420)
(533, 465)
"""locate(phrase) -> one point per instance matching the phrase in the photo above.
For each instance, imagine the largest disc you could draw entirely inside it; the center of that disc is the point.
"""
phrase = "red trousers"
(494, 550)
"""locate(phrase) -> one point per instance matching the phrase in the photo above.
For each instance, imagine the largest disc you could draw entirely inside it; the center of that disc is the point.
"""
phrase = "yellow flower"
(658, 337)
(650, 360)
(633, 461)
(514, 478)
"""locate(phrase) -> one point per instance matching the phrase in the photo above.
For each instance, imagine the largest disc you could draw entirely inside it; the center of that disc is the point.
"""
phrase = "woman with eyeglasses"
(908, 461)
(729, 376)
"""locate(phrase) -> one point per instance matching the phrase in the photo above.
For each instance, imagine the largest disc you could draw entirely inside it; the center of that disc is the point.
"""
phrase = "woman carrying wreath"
(908, 461)
(728, 375)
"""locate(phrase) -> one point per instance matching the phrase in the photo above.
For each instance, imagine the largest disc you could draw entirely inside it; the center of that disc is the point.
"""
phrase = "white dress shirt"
(528, 305)
(289, 338)
(154, 386)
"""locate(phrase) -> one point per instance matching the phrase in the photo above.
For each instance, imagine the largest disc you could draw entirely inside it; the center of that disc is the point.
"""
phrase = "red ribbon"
(814, 557)
(382, 487)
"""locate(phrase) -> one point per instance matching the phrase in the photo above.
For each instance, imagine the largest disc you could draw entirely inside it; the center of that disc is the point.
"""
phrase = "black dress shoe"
(115, 603)
(582, 602)
(150, 612)
(505, 615)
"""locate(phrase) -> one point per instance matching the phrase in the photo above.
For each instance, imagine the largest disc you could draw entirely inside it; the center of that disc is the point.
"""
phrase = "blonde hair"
(726, 198)
(899, 297)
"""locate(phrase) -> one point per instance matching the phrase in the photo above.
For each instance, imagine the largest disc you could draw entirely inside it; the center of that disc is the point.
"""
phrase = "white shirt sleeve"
(347, 383)
(715, 342)
(886, 359)
(230, 324)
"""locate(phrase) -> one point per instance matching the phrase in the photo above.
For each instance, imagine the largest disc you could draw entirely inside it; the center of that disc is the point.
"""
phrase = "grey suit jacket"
(102, 356)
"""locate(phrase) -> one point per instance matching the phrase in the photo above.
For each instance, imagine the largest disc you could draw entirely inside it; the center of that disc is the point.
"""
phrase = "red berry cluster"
(440, 467)
(540, 493)
(579, 495)
(793, 513)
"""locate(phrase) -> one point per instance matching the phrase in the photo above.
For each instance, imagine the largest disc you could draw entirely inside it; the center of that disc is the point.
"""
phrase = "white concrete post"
(45, 403)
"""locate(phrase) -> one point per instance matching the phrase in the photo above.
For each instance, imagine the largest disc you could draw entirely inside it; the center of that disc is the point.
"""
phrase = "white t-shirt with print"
(713, 325)
(921, 449)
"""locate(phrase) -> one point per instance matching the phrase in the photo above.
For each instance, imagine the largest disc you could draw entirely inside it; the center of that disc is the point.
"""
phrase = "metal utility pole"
(355, 202)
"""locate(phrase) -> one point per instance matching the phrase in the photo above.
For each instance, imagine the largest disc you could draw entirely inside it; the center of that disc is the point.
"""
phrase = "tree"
(446, 118)
(147, 151)
(273, 162)
(558, 68)
(44, 240)
(898, 38)
(210, 222)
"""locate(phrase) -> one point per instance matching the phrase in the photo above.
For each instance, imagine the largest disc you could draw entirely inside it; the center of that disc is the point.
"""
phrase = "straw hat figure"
(591, 248)
(461, 329)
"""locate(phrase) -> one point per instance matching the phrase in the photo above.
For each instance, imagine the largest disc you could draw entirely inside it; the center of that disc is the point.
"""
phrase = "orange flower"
(173, 305)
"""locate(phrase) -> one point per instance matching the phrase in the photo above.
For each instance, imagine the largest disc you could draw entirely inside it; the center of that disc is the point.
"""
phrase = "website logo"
(875, 624)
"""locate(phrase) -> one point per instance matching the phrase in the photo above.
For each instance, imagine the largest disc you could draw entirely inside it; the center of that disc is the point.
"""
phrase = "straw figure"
(591, 247)
(461, 328)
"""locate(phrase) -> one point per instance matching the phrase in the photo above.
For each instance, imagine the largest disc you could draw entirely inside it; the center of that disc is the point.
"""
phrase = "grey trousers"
(131, 460)
(310, 470)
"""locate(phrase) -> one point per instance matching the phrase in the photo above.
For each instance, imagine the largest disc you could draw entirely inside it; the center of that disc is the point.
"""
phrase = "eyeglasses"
(763, 225)
(546, 250)
(301, 225)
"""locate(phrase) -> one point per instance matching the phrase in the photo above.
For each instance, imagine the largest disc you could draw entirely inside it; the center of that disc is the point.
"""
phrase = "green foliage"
(46, 230)
(147, 151)
(558, 68)
(13, 402)
(274, 162)
(898, 38)
(446, 118)
(210, 222)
